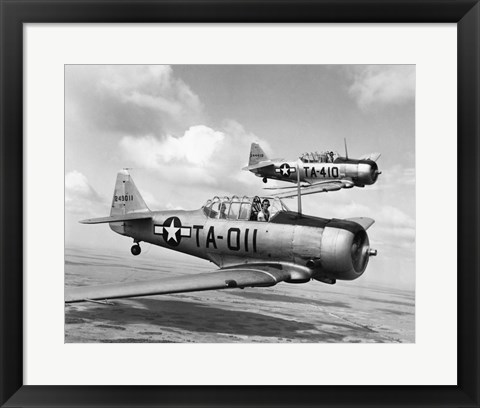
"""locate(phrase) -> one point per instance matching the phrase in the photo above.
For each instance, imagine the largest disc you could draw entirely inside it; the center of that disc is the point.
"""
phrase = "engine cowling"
(367, 172)
(344, 252)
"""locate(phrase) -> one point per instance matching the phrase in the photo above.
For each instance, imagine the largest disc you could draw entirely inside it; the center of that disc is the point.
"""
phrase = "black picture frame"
(465, 13)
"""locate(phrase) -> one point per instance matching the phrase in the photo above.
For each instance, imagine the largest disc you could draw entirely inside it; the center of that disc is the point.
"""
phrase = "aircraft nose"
(368, 171)
(345, 251)
(360, 251)
(374, 172)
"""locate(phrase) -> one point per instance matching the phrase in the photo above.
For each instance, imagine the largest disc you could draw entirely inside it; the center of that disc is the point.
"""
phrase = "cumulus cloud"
(80, 196)
(152, 87)
(134, 99)
(196, 147)
(379, 85)
(202, 156)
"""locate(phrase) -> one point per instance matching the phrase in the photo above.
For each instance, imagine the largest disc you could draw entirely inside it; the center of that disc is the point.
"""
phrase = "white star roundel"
(285, 170)
(172, 231)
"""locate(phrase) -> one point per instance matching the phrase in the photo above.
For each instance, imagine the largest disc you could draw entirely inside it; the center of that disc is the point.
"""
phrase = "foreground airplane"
(318, 172)
(289, 247)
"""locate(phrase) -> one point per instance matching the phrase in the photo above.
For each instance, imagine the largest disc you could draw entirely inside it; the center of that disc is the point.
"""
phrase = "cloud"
(195, 147)
(202, 156)
(80, 196)
(133, 99)
(380, 85)
(395, 223)
(393, 227)
(397, 176)
(152, 87)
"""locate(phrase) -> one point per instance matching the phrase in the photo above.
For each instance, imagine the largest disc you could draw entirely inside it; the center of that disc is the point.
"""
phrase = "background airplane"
(290, 247)
(317, 172)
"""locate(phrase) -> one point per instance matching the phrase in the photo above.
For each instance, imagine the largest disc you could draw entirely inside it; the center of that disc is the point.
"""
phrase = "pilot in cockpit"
(264, 214)
(223, 214)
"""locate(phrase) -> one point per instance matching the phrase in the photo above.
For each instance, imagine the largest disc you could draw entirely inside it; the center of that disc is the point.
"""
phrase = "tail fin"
(126, 198)
(257, 154)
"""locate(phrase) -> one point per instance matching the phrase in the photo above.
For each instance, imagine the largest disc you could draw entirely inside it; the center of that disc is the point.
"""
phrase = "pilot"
(264, 215)
(223, 214)
(255, 208)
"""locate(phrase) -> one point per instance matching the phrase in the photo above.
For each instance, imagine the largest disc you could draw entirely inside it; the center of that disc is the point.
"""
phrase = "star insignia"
(285, 170)
(172, 231)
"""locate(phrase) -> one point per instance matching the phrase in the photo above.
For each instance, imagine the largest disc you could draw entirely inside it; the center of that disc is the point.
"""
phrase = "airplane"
(318, 172)
(289, 247)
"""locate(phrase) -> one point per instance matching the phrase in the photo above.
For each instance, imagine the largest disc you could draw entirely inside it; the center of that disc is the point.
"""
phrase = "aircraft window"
(316, 157)
(282, 204)
(275, 207)
(234, 210)
(256, 207)
(207, 209)
(215, 209)
(223, 210)
(244, 210)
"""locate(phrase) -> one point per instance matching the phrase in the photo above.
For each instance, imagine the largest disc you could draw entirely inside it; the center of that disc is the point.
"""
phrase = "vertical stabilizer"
(257, 154)
(126, 198)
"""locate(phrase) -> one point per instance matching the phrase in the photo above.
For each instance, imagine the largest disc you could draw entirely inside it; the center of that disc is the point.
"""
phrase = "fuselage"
(323, 248)
(360, 172)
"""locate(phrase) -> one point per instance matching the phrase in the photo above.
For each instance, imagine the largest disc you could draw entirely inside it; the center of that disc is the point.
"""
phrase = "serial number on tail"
(126, 197)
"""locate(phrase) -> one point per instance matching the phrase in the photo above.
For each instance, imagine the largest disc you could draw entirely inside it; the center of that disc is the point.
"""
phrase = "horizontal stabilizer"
(118, 218)
(365, 222)
(242, 276)
(257, 166)
(371, 156)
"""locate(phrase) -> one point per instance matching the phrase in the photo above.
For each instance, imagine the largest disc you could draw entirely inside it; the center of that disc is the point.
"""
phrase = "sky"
(185, 132)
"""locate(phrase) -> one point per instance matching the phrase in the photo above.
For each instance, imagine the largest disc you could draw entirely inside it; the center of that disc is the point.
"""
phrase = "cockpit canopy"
(245, 208)
(316, 157)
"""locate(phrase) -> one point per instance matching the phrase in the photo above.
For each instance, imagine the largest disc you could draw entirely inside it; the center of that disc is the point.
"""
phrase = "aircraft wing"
(249, 275)
(365, 222)
(321, 187)
(371, 156)
(286, 187)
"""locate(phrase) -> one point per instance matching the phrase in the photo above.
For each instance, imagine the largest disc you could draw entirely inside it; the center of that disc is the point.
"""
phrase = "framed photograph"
(364, 230)
(169, 156)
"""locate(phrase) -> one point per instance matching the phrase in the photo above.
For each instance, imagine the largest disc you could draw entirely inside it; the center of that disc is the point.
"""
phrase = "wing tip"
(365, 222)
